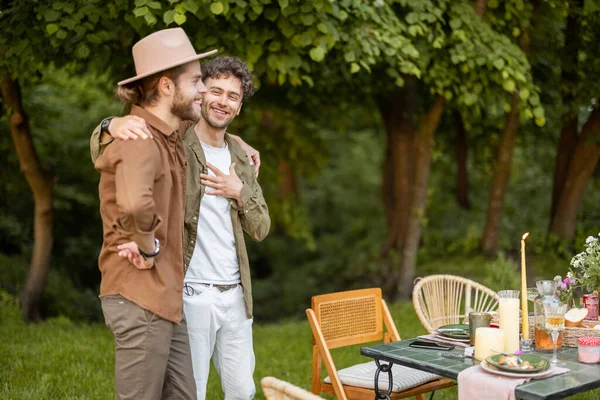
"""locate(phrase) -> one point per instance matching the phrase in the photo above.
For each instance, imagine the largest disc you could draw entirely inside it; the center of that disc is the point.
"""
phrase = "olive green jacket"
(252, 218)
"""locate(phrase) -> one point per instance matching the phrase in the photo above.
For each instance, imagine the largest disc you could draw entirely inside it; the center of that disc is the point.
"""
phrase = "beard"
(183, 107)
(211, 121)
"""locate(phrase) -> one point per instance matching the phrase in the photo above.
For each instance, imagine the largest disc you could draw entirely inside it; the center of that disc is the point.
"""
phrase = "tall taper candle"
(524, 310)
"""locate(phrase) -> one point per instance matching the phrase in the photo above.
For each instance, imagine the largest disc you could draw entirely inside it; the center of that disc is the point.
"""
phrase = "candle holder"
(477, 320)
(526, 345)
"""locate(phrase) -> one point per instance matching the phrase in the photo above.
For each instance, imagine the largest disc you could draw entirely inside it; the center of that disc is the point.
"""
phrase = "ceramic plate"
(538, 363)
(494, 370)
(454, 335)
(438, 335)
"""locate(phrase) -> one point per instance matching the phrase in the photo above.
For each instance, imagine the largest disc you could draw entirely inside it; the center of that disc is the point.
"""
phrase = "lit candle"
(524, 311)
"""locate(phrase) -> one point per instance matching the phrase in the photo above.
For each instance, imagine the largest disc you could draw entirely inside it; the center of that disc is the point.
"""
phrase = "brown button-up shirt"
(141, 198)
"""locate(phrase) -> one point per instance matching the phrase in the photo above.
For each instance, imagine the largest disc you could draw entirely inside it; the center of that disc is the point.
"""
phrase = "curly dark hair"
(229, 66)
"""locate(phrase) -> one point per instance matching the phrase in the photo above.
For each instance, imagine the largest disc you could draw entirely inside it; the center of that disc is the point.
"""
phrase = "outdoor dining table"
(580, 378)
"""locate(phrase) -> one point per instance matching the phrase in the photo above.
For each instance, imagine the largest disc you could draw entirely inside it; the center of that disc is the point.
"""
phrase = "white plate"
(450, 339)
(494, 370)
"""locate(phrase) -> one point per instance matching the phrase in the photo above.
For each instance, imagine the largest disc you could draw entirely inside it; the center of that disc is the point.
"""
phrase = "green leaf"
(524, 94)
(271, 14)
(499, 63)
(61, 34)
(191, 6)
(168, 16)
(350, 56)
(150, 19)
(51, 15)
(179, 19)
(283, 3)
(51, 28)
(455, 23)
(412, 18)
(274, 46)
(82, 51)
(140, 3)
(509, 85)
(216, 8)
(317, 54)
(155, 5)
(538, 112)
(354, 68)
(540, 121)
(307, 19)
(140, 12)
(322, 28)
(410, 50)
(254, 52)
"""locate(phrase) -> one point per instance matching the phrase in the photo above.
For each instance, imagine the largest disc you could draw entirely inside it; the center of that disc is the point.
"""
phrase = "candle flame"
(525, 235)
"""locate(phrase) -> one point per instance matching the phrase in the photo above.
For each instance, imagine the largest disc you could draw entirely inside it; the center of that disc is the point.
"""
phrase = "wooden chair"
(356, 317)
(447, 299)
(275, 389)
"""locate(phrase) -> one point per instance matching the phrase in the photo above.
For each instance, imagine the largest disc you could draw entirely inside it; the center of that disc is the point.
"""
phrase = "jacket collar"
(190, 139)
(153, 120)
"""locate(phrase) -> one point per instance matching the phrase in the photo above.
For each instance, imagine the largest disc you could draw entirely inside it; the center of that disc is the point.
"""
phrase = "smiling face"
(187, 98)
(222, 101)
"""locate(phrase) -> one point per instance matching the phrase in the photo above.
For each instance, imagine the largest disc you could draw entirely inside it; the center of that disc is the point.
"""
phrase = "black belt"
(189, 290)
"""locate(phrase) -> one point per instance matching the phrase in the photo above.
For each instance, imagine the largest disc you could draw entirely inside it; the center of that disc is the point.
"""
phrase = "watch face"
(104, 125)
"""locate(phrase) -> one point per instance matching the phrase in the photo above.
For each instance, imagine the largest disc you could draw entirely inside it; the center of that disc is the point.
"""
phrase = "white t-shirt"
(215, 258)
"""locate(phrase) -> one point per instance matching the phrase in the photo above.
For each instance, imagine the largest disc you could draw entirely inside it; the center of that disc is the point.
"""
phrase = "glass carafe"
(547, 294)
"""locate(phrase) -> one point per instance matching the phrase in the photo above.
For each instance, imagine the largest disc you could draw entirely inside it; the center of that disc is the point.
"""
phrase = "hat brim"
(169, 66)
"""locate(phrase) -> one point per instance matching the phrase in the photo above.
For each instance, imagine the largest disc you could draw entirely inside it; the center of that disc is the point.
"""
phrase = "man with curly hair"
(223, 200)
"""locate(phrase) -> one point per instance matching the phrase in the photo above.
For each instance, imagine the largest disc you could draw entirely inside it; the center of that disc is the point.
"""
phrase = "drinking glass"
(555, 321)
(532, 293)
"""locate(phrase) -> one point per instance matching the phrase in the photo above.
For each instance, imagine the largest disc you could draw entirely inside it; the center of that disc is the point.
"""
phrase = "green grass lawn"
(58, 359)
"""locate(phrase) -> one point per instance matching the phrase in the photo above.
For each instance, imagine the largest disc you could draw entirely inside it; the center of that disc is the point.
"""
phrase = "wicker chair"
(447, 299)
(356, 317)
(275, 389)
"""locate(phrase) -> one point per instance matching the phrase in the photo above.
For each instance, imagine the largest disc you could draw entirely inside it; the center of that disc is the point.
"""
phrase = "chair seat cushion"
(363, 375)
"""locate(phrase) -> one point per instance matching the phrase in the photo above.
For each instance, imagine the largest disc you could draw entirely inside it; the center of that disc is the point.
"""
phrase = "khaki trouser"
(152, 355)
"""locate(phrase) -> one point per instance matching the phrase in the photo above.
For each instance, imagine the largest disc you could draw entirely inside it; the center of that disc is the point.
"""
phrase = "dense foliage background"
(386, 129)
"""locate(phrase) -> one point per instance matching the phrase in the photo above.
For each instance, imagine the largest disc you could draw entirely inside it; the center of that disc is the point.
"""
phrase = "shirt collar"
(153, 120)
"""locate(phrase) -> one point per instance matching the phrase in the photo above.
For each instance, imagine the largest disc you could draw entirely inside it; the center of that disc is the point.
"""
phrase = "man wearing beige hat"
(142, 207)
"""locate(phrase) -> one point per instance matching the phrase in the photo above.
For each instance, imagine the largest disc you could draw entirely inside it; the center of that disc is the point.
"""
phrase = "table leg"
(383, 368)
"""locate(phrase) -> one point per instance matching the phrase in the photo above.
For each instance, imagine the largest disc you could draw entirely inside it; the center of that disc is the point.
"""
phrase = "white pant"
(219, 329)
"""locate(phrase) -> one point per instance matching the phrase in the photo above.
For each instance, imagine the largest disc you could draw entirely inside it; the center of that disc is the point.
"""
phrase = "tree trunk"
(480, 6)
(289, 183)
(397, 111)
(564, 154)
(462, 173)
(41, 183)
(583, 162)
(502, 168)
(423, 148)
(569, 81)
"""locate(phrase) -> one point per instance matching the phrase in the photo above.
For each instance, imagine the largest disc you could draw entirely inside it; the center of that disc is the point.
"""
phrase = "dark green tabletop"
(581, 378)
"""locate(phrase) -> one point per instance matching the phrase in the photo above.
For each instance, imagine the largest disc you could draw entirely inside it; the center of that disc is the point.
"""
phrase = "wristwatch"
(104, 125)
(154, 253)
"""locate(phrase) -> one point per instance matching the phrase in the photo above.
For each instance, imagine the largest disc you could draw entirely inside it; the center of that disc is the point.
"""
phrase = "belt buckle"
(224, 288)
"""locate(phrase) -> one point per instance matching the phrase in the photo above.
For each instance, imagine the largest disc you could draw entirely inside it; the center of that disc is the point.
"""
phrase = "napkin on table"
(435, 338)
(477, 383)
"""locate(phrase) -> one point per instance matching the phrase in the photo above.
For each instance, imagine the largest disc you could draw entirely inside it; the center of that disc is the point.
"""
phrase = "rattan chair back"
(276, 389)
(347, 318)
(448, 299)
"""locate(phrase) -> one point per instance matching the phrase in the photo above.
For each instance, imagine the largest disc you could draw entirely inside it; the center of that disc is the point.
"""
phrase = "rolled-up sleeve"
(97, 147)
(254, 214)
(137, 165)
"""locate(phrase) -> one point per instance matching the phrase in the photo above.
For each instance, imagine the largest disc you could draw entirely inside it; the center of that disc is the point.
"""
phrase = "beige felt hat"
(161, 51)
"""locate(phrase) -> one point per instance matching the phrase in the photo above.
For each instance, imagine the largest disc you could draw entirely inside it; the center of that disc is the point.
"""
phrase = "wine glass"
(532, 293)
(555, 321)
